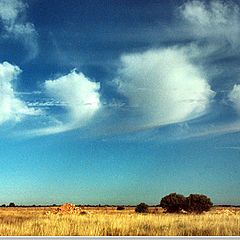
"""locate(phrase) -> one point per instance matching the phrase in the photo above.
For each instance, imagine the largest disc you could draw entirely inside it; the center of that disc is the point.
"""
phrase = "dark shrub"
(141, 208)
(173, 202)
(198, 203)
(83, 213)
(120, 208)
(11, 204)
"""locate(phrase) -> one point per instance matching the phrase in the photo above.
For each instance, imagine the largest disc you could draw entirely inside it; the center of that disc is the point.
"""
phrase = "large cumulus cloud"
(162, 87)
(78, 95)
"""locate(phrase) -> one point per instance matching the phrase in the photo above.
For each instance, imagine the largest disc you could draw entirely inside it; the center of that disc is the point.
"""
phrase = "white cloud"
(11, 108)
(216, 19)
(12, 15)
(163, 87)
(78, 95)
(78, 92)
(212, 130)
(9, 9)
(234, 97)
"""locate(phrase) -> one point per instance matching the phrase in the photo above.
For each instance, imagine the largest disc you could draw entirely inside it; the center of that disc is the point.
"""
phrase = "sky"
(119, 102)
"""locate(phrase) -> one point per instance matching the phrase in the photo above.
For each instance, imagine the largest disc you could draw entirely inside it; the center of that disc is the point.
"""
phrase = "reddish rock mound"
(67, 209)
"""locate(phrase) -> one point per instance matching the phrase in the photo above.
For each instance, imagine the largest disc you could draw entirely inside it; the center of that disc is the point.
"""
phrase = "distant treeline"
(226, 205)
(58, 205)
(98, 205)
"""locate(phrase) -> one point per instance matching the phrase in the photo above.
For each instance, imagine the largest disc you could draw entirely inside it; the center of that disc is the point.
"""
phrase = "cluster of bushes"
(175, 203)
(193, 203)
(10, 205)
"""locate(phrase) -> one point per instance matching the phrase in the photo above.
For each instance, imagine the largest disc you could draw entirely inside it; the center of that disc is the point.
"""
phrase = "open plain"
(108, 221)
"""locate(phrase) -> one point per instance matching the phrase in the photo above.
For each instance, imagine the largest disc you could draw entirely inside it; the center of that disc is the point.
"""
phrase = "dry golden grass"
(110, 222)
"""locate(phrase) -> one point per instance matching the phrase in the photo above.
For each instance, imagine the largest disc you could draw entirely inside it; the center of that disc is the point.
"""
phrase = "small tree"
(198, 203)
(11, 204)
(141, 208)
(173, 202)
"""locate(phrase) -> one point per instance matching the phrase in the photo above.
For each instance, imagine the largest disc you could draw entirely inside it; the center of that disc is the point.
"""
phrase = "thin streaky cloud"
(27, 93)
(230, 147)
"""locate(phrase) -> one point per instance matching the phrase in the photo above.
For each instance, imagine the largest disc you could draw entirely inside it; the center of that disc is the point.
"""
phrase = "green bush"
(141, 208)
(11, 204)
(198, 203)
(173, 202)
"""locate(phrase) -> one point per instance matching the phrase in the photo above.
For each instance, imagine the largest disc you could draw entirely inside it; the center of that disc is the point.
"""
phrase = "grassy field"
(107, 221)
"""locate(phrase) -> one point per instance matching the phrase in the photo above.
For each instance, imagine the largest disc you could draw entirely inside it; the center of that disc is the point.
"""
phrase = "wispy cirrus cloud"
(213, 28)
(12, 15)
(218, 20)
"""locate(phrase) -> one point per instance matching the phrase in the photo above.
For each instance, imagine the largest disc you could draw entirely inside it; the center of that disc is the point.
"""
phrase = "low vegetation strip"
(104, 221)
(228, 212)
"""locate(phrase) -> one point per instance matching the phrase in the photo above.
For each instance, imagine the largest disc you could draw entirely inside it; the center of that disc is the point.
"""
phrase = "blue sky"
(119, 102)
